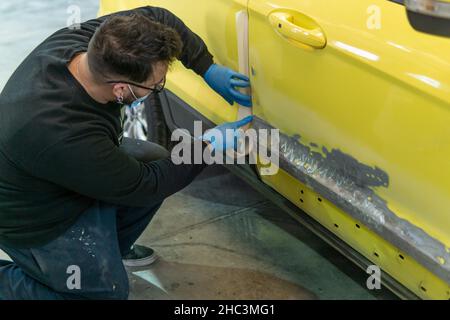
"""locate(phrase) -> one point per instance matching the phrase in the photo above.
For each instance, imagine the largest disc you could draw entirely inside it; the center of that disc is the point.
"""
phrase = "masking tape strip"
(243, 59)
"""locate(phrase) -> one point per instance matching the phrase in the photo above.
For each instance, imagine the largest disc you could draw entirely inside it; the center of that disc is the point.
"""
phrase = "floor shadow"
(172, 281)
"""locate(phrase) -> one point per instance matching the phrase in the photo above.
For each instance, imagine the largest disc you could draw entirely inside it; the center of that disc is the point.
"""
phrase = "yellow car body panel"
(390, 259)
(378, 91)
(380, 94)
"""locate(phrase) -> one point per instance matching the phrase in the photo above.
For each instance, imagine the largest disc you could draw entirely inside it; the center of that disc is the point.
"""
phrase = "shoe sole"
(140, 262)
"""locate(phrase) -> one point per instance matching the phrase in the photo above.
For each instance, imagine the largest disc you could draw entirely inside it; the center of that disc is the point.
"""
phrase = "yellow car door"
(362, 101)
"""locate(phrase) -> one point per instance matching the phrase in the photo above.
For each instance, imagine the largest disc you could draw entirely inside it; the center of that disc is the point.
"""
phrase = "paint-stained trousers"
(86, 261)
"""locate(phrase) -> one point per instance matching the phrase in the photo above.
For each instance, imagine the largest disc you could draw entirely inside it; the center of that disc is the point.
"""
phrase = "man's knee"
(144, 151)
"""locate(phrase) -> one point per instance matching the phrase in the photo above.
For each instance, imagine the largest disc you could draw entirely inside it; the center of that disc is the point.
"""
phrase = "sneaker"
(139, 256)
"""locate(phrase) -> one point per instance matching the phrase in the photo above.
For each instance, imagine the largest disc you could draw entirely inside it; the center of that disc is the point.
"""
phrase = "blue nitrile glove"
(225, 81)
(227, 135)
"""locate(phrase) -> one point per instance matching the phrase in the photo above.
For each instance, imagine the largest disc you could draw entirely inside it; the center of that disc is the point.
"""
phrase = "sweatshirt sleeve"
(93, 166)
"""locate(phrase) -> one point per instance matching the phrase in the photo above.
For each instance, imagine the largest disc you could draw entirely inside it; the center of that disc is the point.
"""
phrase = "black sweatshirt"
(59, 148)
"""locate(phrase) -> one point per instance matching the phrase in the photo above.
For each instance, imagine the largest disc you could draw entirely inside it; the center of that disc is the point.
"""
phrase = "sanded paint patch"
(349, 184)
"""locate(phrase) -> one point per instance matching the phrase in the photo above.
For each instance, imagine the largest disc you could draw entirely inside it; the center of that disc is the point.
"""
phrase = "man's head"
(132, 53)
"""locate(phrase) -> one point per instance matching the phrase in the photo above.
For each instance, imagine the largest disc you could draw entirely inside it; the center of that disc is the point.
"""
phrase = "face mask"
(136, 103)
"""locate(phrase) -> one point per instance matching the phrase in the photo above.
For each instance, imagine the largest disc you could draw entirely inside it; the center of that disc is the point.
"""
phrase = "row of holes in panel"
(357, 226)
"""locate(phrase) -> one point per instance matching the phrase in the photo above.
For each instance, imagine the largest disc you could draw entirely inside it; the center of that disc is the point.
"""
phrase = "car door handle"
(298, 28)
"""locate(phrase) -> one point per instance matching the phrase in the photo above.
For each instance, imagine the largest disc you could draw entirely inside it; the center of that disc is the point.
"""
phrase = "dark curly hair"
(130, 45)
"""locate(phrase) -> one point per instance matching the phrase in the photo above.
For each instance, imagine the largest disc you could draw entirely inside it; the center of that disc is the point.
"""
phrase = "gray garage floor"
(219, 239)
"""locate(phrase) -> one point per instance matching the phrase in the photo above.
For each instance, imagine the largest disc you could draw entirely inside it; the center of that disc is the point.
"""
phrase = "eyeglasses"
(156, 89)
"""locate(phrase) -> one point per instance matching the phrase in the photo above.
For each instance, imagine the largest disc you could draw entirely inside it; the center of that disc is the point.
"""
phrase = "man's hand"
(227, 135)
(225, 81)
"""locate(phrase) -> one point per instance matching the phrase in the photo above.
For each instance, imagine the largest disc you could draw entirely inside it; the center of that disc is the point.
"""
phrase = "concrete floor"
(26, 23)
(219, 239)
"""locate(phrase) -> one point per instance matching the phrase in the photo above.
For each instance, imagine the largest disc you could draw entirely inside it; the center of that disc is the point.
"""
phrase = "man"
(73, 199)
